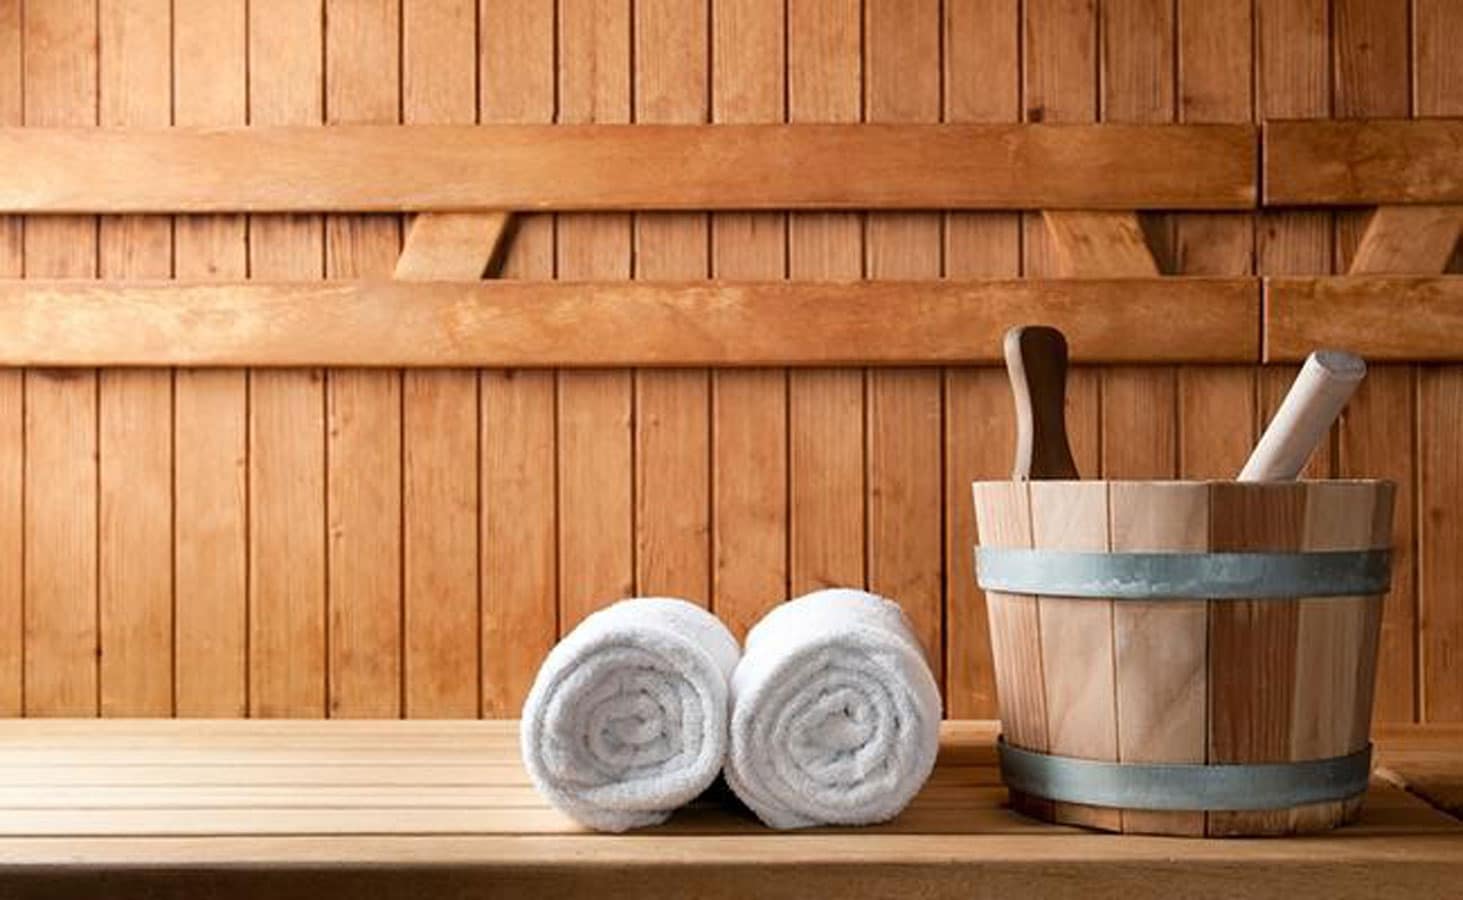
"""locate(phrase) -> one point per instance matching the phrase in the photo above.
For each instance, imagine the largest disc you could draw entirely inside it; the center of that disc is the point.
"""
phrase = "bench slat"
(309, 809)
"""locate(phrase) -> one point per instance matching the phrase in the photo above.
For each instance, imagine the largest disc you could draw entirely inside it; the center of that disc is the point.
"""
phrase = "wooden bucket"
(1191, 658)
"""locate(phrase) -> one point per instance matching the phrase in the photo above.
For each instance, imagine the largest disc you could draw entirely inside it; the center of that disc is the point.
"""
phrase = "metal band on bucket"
(1206, 576)
(1165, 786)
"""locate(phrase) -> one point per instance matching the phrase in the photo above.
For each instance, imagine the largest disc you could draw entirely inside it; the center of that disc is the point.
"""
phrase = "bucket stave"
(1193, 634)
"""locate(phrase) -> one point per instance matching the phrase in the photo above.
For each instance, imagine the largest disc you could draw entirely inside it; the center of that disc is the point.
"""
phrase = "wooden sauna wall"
(380, 543)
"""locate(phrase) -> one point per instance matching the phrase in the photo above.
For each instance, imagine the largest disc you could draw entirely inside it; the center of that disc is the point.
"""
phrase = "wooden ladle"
(1036, 361)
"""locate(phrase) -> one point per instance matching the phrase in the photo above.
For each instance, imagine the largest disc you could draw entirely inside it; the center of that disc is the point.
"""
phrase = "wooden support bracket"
(1099, 244)
(1408, 240)
(453, 246)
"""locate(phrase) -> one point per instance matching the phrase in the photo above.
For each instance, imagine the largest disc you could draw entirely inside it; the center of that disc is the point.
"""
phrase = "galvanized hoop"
(1197, 576)
(1176, 786)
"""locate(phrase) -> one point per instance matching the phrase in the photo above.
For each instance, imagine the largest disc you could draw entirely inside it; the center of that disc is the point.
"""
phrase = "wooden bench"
(433, 809)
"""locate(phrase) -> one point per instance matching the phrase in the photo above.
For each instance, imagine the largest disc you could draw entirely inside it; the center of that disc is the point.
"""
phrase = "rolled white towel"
(627, 716)
(835, 715)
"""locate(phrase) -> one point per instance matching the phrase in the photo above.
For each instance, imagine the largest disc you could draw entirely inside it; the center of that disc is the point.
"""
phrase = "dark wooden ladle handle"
(1036, 361)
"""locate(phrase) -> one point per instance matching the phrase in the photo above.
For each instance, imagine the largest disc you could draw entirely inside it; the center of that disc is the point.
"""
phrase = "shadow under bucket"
(1185, 657)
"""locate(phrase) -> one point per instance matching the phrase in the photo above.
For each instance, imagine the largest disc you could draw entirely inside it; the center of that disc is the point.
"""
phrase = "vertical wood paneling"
(595, 429)
(1216, 404)
(1375, 438)
(1140, 439)
(60, 543)
(672, 408)
(749, 479)
(1294, 81)
(210, 407)
(12, 410)
(825, 406)
(440, 418)
(135, 407)
(982, 84)
(902, 71)
(286, 407)
(177, 522)
(1139, 404)
(519, 542)
(363, 451)
(1438, 79)
(1059, 84)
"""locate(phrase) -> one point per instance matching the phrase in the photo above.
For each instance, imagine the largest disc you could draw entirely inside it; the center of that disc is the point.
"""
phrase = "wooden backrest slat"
(565, 324)
(1322, 162)
(626, 167)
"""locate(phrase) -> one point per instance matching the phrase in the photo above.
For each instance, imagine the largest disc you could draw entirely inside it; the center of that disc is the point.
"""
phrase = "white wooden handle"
(1324, 384)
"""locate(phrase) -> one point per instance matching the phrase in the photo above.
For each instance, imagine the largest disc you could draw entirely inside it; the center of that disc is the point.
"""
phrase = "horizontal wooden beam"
(563, 324)
(1383, 318)
(626, 167)
(1363, 162)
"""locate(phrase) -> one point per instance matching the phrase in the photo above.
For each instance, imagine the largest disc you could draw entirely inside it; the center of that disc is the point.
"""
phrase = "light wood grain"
(1360, 313)
(1377, 440)
(904, 406)
(210, 419)
(440, 428)
(12, 407)
(1407, 240)
(453, 826)
(1336, 638)
(1076, 641)
(1161, 647)
(582, 167)
(287, 539)
(451, 246)
(1139, 428)
(1060, 85)
(1376, 437)
(1294, 55)
(1427, 761)
(1438, 71)
(60, 543)
(749, 456)
(386, 323)
(363, 408)
(978, 446)
(135, 409)
(518, 541)
(1440, 470)
(826, 408)
(1003, 517)
(982, 83)
(672, 486)
(1094, 244)
(1341, 163)
(595, 494)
